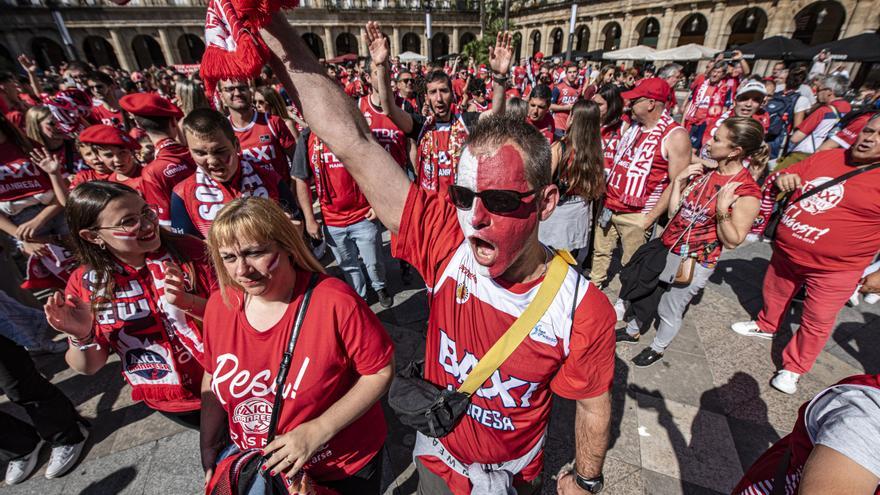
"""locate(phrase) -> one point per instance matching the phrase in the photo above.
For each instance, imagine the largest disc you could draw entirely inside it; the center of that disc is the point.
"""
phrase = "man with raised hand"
(479, 254)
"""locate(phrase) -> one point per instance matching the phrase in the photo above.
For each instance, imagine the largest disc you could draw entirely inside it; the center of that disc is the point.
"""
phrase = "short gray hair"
(495, 131)
(838, 84)
(667, 70)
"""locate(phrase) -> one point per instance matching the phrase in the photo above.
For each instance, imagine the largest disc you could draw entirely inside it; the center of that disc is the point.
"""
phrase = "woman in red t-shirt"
(710, 209)
(139, 292)
(331, 425)
(613, 126)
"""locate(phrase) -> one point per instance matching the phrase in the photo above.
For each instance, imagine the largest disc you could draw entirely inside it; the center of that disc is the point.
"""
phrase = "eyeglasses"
(495, 200)
(134, 223)
(233, 89)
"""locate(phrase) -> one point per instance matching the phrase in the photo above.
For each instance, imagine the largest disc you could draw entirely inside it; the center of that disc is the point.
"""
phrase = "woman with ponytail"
(578, 172)
(711, 209)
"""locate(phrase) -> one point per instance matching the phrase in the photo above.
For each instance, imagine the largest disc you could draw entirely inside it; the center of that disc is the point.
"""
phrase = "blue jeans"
(22, 324)
(360, 238)
(696, 135)
(258, 485)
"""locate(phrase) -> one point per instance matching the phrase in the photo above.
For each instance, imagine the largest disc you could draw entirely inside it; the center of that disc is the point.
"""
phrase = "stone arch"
(746, 26)
(147, 51)
(692, 29)
(517, 46)
(535, 40)
(648, 32)
(582, 39)
(556, 38)
(819, 22)
(99, 51)
(346, 43)
(315, 44)
(411, 43)
(611, 36)
(47, 52)
(439, 45)
(464, 39)
(191, 48)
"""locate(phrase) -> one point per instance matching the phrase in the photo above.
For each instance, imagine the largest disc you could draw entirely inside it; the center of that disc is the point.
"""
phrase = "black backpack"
(781, 111)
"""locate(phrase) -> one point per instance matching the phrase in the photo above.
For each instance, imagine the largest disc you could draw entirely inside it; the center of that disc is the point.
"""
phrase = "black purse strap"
(781, 472)
(288, 356)
(832, 182)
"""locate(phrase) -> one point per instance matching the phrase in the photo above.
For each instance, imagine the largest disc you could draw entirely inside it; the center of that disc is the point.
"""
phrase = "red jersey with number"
(567, 96)
(101, 115)
(171, 165)
(847, 136)
(610, 141)
(837, 229)
(266, 142)
(386, 133)
(508, 416)
(340, 341)
(698, 209)
(342, 202)
(546, 126)
(19, 177)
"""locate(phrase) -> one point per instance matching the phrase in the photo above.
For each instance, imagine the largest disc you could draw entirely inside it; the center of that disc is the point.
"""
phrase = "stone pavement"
(689, 424)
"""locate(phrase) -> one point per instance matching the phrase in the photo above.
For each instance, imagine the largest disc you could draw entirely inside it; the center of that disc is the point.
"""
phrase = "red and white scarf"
(429, 175)
(702, 102)
(213, 195)
(639, 161)
(50, 271)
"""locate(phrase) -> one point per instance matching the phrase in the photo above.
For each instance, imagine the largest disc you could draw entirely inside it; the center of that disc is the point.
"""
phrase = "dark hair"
(100, 77)
(207, 121)
(15, 135)
(153, 124)
(611, 94)
(438, 76)
(584, 164)
(476, 87)
(796, 77)
(517, 108)
(402, 72)
(5, 77)
(496, 130)
(541, 92)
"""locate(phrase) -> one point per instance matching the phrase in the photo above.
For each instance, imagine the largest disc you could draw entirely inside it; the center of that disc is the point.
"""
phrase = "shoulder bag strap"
(504, 347)
(288, 355)
(832, 182)
(781, 472)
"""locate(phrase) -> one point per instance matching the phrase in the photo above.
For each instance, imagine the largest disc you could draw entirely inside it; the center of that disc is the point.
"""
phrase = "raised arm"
(332, 115)
(500, 56)
(378, 45)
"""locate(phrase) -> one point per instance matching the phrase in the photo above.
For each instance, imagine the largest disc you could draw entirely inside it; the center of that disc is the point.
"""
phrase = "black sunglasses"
(495, 200)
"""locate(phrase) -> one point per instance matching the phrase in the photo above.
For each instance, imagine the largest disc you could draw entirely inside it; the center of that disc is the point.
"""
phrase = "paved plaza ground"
(689, 424)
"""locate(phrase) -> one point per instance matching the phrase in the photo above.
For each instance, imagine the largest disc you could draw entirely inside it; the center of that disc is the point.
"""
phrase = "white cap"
(751, 86)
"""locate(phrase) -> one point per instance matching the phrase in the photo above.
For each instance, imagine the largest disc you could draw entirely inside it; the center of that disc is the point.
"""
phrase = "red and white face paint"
(497, 240)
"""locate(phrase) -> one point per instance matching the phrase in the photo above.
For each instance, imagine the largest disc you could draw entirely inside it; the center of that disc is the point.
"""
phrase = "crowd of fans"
(187, 235)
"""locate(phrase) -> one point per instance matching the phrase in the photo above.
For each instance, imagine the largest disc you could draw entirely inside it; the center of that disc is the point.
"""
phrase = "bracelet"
(84, 344)
(499, 78)
(722, 217)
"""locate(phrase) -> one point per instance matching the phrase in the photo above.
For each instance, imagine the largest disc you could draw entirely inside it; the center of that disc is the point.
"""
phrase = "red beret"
(107, 135)
(149, 105)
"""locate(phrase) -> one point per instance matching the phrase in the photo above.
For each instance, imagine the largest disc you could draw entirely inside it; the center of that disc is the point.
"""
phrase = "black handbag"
(435, 411)
(235, 474)
(776, 216)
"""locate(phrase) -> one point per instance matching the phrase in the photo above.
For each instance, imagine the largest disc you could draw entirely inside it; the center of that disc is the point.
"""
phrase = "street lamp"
(574, 12)
(427, 6)
(69, 46)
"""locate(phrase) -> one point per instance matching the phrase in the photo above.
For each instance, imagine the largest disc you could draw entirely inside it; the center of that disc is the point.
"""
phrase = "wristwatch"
(591, 485)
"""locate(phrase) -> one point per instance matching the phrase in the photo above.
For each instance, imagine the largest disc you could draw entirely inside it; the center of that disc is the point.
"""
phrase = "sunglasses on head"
(495, 200)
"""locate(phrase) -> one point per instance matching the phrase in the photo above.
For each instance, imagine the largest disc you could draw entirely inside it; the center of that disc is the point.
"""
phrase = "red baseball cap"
(107, 135)
(539, 55)
(652, 87)
(149, 105)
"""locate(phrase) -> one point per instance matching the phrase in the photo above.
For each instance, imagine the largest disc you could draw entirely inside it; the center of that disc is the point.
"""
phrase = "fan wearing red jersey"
(482, 272)
(105, 106)
(565, 94)
(139, 292)
(539, 112)
(222, 175)
(115, 149)
(331, 424)
(264, 140)
(172, 163)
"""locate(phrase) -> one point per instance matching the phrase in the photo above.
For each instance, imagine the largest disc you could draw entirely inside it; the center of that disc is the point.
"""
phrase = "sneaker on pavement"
(785, 381)
(621, 336)
(63, 457)
(19, 469)
(646, 358)
(385, 300)
(620, 309)
(750, 329)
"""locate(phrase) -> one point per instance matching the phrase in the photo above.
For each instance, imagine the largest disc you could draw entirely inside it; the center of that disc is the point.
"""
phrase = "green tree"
(492, 21)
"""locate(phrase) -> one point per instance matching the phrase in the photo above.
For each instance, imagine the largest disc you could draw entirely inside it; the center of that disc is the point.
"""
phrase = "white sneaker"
(620, 309)
(19, 469)
(785, 381)
(854, 298)
(750, 329)
(65, 456)
(871, 298)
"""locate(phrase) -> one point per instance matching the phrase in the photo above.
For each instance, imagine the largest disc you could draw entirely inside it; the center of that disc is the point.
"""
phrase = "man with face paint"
(222, 175)
(440, 137)
(482, 271)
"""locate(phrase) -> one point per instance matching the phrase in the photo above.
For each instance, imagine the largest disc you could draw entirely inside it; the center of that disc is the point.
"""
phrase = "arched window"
(693, 30)
(346, 43)
(611, 37)
(649, 32)
(517, 47)
(536, 41)
(99, 51)
(47, 52)
(464, 39)
(556, 36)
(147, 51)
(819, 22)
(582, 39)
(439, 45)
(191, 48)
(315, 44)
(747, 26)
(411, 43)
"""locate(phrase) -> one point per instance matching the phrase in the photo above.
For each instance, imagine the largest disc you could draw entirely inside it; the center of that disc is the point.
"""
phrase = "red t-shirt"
(266, 142)
(132, 182)
(19, 178)
(698, 208)
(847, 136)
(101, 115)
(610, 141)
(87, 175)
(567, 95)
(470, 312)
(384, 130)
(171, 165)
(458, 87)
(342, 202)
(547, 126)
(340, 341)
(824, 113)
(837, 229)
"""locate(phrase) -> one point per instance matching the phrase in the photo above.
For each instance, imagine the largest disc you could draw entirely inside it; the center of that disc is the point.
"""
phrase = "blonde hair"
(190, 95)
(748, 134)
(259, 220)
(32, 120)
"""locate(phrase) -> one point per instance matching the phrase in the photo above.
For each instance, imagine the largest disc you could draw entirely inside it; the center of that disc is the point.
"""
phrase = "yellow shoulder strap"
(504, 347)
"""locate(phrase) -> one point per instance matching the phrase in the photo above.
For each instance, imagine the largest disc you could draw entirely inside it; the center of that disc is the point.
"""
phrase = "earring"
(102, 246)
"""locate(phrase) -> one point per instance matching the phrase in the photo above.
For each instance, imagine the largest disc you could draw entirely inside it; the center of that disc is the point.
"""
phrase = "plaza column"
(171, 55)
(123, 51)
(362, 45)
(425, 46)
(667, 25)
(780, 20)
(862, 12)
(595, 35)
(716, 26)
(626, 34)
(329, 43)
(454, 41)
(395, 41)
